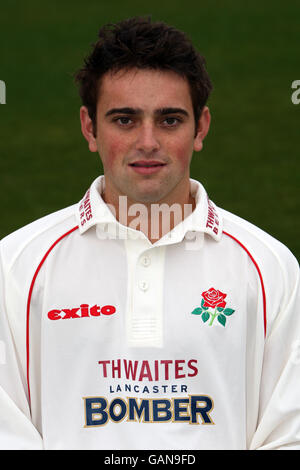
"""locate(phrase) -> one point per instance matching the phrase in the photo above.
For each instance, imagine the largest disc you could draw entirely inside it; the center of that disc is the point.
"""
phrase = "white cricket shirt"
(108, 341)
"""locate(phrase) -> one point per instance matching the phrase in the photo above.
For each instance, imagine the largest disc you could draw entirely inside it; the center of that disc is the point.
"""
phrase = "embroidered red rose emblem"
(214, 298)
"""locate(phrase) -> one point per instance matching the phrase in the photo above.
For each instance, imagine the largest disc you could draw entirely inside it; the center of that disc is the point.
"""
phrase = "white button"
(143, 285)
(145, 261)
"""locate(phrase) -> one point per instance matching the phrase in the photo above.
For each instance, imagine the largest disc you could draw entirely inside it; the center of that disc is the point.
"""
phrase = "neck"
(153, 219)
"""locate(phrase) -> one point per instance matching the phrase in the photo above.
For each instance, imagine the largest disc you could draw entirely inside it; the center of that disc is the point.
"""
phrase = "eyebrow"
(138, 111)
(164, 111)
(123, 111)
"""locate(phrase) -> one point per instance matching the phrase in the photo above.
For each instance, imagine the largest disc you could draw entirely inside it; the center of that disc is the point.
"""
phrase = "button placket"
(144, 317)
(143, 285)
(145, 261)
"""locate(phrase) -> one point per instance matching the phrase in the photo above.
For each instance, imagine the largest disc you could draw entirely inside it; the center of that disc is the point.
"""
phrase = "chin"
(146, 198)
(146, 195)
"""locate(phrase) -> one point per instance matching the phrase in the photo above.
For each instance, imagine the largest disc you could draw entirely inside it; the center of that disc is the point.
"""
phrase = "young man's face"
(145, 135)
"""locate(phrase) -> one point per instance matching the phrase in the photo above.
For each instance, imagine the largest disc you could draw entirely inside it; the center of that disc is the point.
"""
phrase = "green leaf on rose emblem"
(197, 311)
(205, 316)
(222, 319)
(228, 311)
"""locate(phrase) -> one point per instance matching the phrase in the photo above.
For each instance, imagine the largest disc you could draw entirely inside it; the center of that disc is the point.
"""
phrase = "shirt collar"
(206, 218)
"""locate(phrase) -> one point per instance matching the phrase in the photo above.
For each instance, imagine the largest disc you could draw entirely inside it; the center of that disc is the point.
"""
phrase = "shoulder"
(253, 238)
(34, 238)
(276, 266)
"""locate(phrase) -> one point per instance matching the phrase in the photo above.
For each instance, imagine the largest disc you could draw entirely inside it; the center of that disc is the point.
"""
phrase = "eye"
(123, 120)
(171, 121)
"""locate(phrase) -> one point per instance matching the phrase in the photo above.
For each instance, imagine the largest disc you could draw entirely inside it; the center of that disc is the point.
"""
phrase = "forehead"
(145, 89)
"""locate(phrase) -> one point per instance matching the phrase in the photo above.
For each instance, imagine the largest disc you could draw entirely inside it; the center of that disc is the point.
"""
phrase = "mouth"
(147, 167)
(146, 163)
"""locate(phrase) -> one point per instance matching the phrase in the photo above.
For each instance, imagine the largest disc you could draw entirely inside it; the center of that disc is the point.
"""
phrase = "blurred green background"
(249, 164)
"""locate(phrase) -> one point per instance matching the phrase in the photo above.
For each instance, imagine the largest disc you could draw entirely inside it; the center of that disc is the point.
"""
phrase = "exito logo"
(2, 92)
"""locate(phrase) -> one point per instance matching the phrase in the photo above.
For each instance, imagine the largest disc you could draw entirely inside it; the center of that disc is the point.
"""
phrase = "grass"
(249, 163)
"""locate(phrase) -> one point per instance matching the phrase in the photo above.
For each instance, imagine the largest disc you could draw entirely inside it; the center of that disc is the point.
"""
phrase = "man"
(145, 317)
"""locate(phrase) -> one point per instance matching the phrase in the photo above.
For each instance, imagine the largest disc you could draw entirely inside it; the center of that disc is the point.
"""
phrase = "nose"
(147, 139)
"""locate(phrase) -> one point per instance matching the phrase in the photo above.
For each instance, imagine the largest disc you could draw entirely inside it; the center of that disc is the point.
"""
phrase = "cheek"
(112, 150)
(183, 153)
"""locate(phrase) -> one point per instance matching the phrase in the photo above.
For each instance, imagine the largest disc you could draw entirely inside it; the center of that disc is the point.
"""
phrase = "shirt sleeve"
(17, 431)
(278, 426)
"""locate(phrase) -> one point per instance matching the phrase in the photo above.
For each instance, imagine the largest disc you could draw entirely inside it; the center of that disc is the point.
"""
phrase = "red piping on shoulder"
(29, 299)
(260, 277)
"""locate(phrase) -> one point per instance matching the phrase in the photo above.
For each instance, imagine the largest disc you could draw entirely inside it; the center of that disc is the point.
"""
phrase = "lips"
(146, 163)
(147, 167)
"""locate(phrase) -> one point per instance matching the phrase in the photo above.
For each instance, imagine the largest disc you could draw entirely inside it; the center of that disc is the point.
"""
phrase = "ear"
(202, 129)
(87, 129)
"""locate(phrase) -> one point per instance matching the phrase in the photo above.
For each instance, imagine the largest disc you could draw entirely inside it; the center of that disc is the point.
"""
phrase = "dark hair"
(139, 43)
